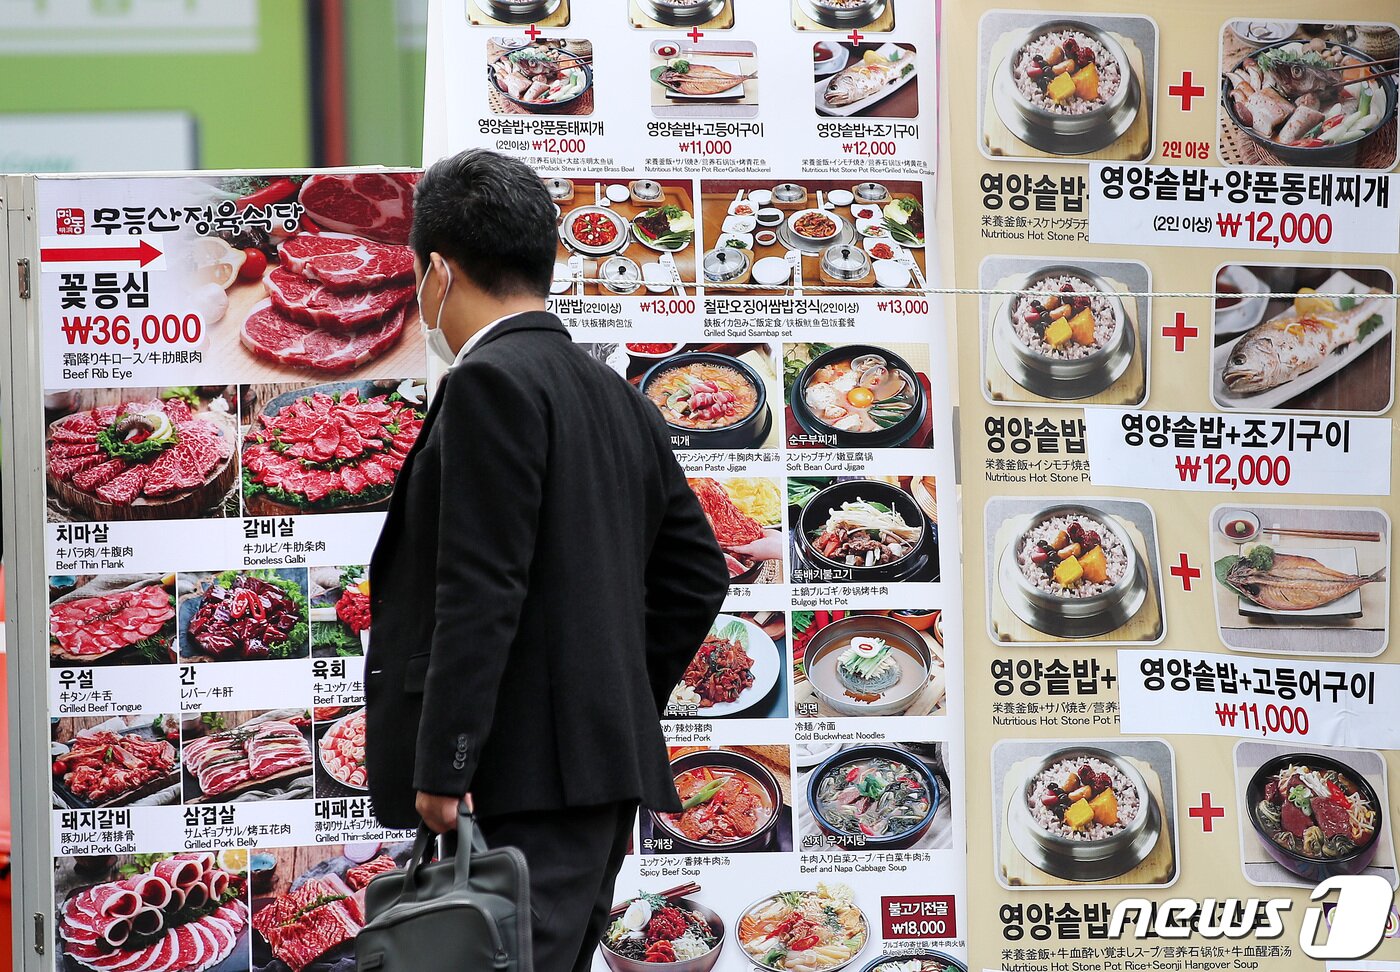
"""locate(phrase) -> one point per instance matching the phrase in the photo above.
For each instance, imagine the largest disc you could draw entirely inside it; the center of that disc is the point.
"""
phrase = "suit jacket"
(543, 579)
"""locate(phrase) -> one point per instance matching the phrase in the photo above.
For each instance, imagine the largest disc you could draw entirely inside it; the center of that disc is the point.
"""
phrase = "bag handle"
(452, 846)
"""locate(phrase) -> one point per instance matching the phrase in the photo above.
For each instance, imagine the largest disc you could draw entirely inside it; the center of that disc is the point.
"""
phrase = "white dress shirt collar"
(477, 338)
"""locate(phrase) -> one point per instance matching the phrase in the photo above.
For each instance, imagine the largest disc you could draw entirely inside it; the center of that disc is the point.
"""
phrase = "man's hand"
(439, 813)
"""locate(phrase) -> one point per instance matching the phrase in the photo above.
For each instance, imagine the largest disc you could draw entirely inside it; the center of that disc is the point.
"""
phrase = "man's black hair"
(493, 216)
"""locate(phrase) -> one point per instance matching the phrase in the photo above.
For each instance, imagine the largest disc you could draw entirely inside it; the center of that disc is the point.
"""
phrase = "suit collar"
(527, 321)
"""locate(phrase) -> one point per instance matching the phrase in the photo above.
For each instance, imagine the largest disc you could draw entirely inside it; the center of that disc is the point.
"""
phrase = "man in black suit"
(544, 575)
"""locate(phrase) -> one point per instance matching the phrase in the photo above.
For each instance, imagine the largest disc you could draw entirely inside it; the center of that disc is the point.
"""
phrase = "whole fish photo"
(1329, 349)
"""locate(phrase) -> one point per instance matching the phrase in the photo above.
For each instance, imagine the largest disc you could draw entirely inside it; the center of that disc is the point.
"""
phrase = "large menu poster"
(1179, 231)
(232, 377)
(746, 217)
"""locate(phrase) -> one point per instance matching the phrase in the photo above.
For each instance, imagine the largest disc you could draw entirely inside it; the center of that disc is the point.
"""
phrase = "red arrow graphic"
(143, 253)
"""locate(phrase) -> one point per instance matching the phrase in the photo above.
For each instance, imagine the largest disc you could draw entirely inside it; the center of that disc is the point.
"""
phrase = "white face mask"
(436, 340)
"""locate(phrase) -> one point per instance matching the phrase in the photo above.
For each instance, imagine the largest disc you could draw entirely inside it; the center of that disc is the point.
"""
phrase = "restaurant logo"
(1356, 921)
(71, 222)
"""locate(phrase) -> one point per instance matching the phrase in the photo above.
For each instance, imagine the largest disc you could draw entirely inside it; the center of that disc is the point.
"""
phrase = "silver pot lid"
(647, 189)
(559, 188)
(871, 192)
(787, 191)
(621, 274)
(725, 264)
(846, 261)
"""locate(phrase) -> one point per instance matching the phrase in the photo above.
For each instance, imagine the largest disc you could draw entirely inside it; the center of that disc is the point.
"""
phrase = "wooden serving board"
(203, 500)
(881, 24)
(1157, 868)
(643, 21)
(671, 196)
(1129, 389)
(1133, 145)
(1145, 626)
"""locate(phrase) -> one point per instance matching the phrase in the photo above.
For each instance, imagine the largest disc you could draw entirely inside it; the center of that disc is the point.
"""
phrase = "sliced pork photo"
(142, 454)
(182, 912)
(245, 756)
(112, 619)
(327, 448)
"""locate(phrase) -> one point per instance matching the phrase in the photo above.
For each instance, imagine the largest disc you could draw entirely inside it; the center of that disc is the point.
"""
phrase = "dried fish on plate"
(1289, 582)
(700, 80)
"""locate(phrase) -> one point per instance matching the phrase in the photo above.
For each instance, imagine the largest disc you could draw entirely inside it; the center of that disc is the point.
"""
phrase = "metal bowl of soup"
(843, 689)
(1277, 833)
(873, 798)
(745, 817)
(710, 401)
(840, 397)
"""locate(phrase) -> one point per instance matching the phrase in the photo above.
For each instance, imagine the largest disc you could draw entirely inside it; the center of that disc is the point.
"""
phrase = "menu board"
(229, 392)
(746, 223)
(1176, 241)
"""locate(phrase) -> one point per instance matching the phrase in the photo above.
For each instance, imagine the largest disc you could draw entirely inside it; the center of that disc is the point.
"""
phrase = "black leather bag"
(468, 910)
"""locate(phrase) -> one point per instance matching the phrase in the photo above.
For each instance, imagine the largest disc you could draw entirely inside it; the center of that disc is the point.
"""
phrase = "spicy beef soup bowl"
(709, 400)
(1096, 849)
(1073, 573)
(1266, 810)
(1030, 339)
(745, 817)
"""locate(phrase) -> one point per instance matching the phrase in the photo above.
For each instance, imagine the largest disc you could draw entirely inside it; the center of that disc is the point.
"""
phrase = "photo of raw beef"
(326, 448)
(340, 611)
(112, 619)
(376, 205)
(141, 454)
(245, 756)
(244, 615)
(102, 761)
(308, 920)
(176, 913)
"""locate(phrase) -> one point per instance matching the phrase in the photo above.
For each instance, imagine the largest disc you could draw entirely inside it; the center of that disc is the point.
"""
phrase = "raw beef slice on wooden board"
(313, 304)
(271, 334)
(378, 205)
(343, 262)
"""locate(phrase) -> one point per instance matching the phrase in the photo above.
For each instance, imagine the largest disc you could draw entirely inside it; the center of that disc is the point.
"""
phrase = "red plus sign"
(1180, 331)
(534, 32)
(1186, 572)
(1186, 91)
(855, 37)
(1206, 812)
(695, 34)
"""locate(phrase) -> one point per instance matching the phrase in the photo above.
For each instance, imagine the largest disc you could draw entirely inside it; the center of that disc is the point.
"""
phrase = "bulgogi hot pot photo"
(730, 802)
(1074, 573)
(710, 400)
(867, 530)
(863, 396)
